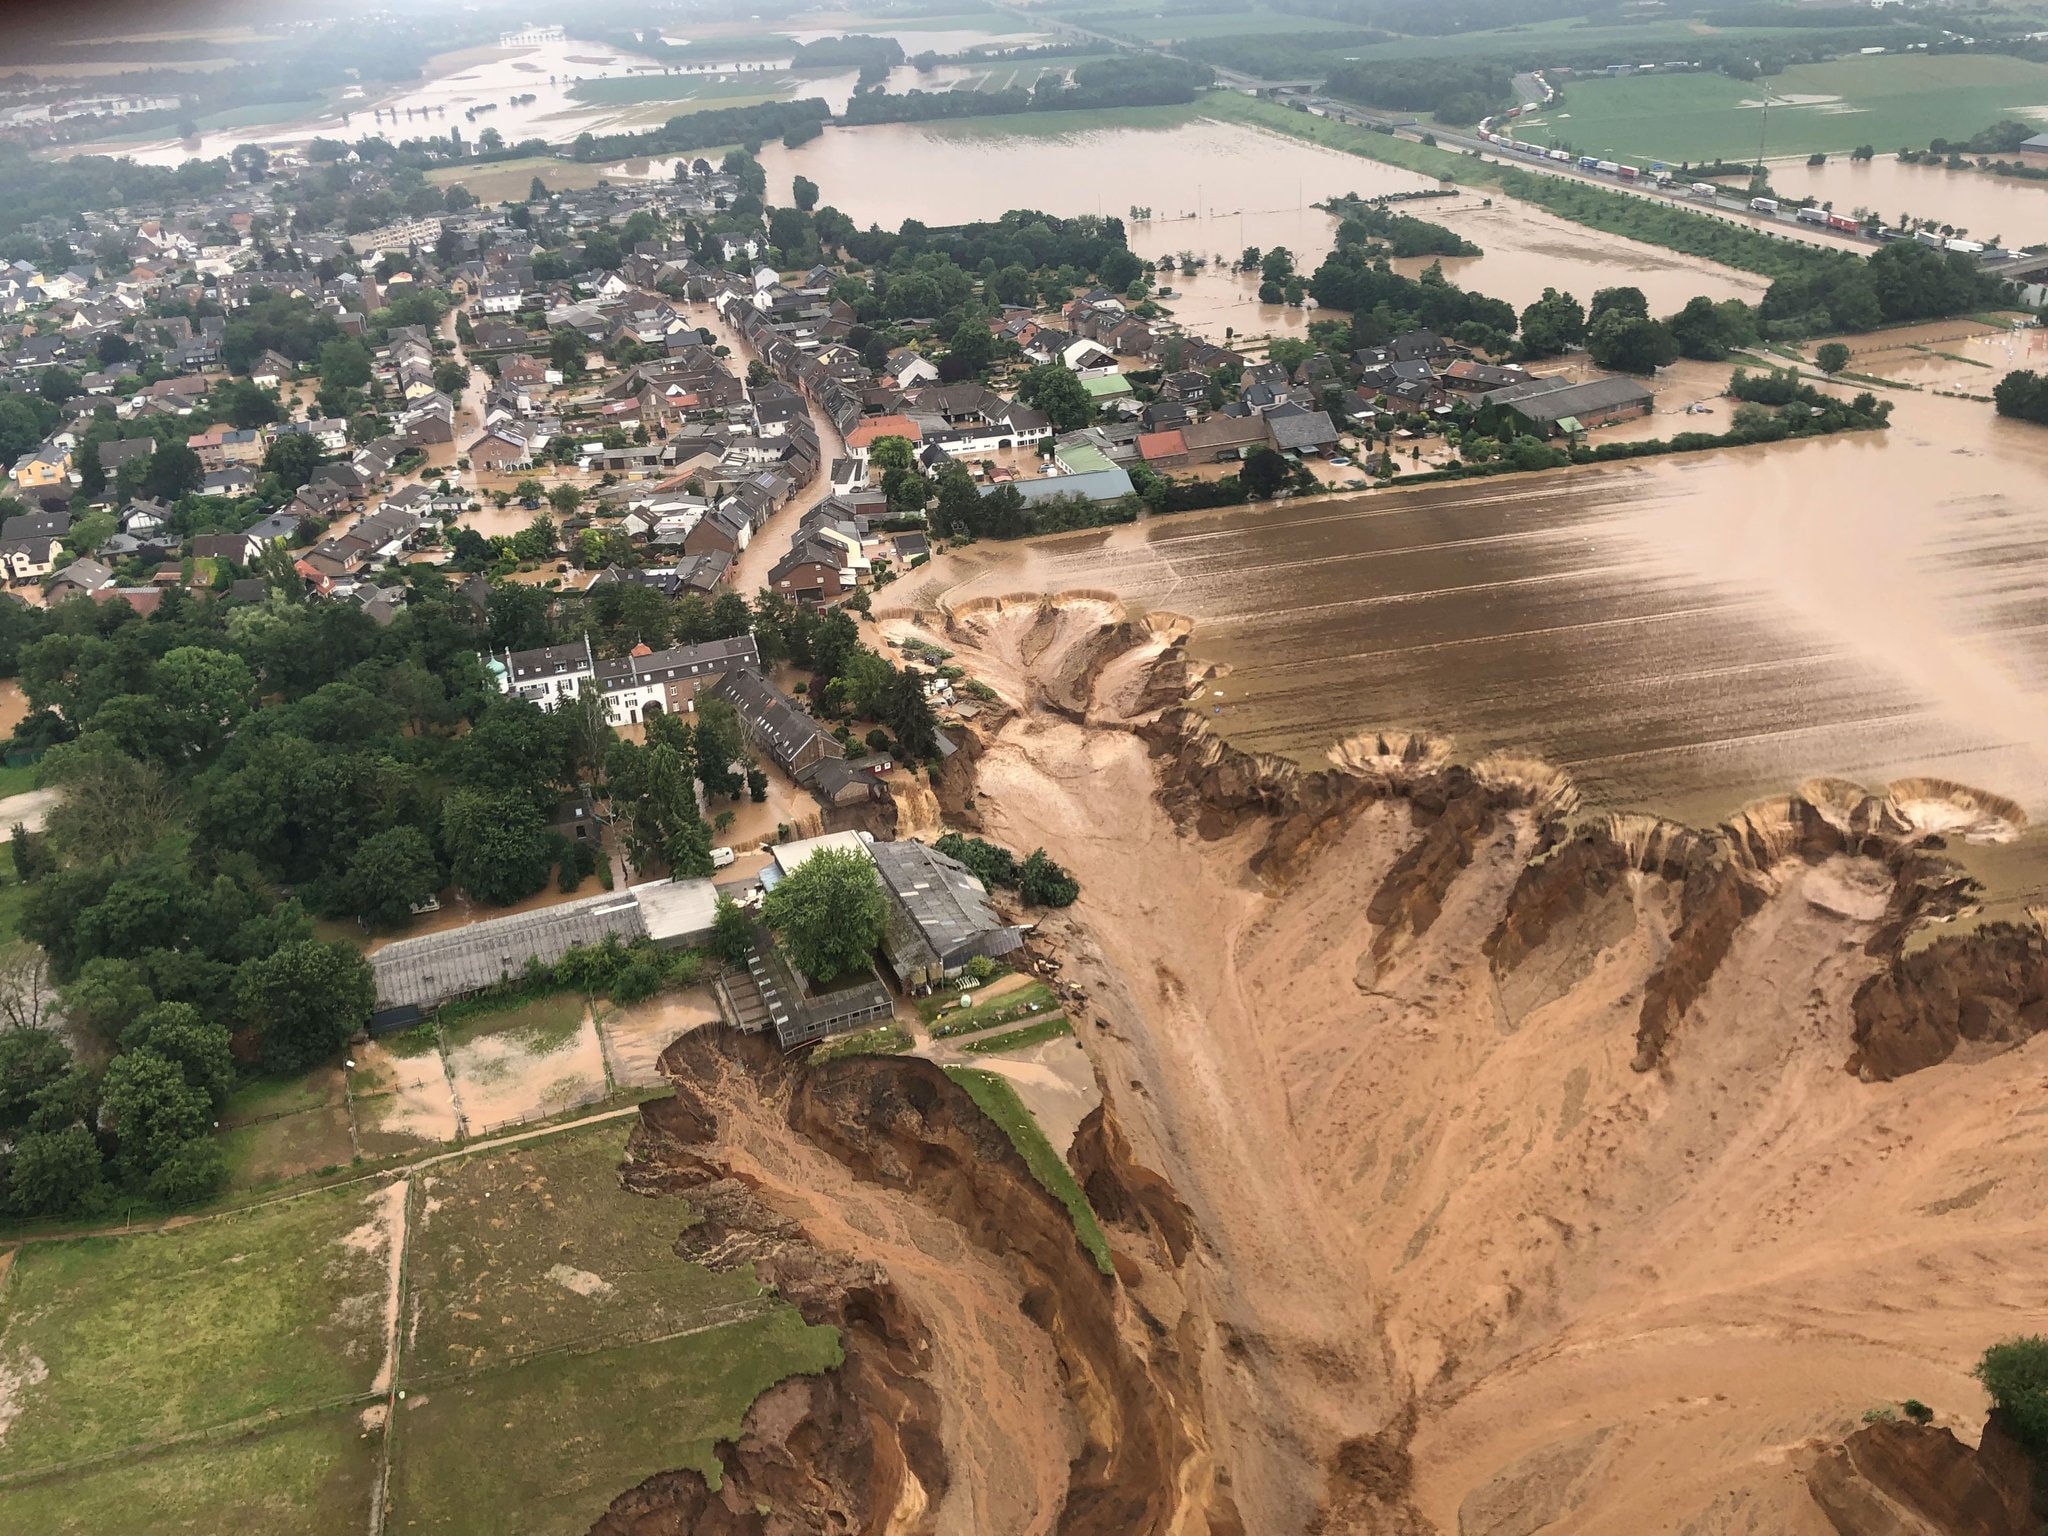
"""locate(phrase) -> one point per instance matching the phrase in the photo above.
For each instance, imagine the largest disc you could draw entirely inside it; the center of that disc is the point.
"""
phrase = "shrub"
(2015, 1374)
(637, 982)
(1917, 1411)
(981, 969)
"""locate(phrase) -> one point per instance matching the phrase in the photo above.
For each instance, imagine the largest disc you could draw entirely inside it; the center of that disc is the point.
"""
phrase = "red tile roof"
(882, 426)
(1162, 445)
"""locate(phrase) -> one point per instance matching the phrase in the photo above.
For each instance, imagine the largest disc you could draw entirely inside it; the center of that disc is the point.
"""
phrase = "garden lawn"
(126, 1341)
(542, 1448)
(312, 1478)
(1010, 1006)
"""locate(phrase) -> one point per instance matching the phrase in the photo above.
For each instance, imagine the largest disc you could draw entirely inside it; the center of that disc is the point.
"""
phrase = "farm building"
(416, 976)
(939, 915)
(1551, 406)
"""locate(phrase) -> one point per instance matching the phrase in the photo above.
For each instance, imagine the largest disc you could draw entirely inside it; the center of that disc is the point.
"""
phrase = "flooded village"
(744, 797)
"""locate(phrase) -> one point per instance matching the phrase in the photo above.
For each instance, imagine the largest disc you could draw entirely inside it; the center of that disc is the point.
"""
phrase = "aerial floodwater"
(1212, 188)
(1682, 635)
(2008, 211)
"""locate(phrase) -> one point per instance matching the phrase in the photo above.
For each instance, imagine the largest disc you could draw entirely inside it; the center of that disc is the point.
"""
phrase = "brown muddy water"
(1682, 635)
(1212, 189)
(2013, 211)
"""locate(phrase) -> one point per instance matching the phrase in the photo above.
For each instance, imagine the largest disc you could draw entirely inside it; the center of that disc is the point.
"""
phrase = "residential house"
(87, 576)
(42, 468)
(774, 723)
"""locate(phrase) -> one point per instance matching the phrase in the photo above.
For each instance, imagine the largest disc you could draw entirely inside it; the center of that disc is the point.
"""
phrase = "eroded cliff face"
(1479, 1168)
(1475, 1245)
(1901, 1479)
(877, 1445)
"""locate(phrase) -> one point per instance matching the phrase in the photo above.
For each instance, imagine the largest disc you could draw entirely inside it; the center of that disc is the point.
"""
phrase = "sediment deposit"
(1472, 1166)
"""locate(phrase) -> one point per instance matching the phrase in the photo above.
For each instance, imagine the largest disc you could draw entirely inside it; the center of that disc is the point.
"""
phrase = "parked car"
(720, 857)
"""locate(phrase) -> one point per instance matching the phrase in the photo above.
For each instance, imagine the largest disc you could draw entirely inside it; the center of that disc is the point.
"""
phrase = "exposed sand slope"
(1442, 1218)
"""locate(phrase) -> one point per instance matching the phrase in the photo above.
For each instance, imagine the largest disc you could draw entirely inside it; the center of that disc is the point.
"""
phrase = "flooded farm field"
(1213, 188)
(1682, 635)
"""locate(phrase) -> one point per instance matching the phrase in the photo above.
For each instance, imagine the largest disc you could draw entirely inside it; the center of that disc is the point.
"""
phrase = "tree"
(970, 353)
(173, 471)
(54, 1172)
(1833, 357)
(305, 999)
(1264, 471)
(2015, 1375)
(908, 714)
(565, 499)
(197, 1045)
(804, 193)
(732, 935)
(151, 1110)
(718, 748)
(1553, 323)
(1059, 393)
(829, 915)
(388, 875)
(344, 364)
(1043, 883)
(1630, 344)
(205, 693)
(1627, 302)
(497, 846)
(31, 1061)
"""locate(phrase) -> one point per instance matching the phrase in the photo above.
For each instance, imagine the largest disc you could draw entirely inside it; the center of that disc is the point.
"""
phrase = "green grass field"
(120, 1342)
(999, 1101)
(544, 1448)
(1890, 102)
(537, 1247)
(1017, 1003)
(885, 1041)
(306, 1479)
(214, 1377)
(503, 179)
(18, 780)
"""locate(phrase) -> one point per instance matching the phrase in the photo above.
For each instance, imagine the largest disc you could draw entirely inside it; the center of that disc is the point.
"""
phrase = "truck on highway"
(1559, 154)
(1763, 205)
(1845, 223)
(1588, 163)
(1627, 172)
(1813, 214)
(1606, 167)
(1705, 191)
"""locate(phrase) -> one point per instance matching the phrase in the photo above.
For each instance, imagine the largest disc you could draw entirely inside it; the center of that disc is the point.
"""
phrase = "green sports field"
(1889, 102)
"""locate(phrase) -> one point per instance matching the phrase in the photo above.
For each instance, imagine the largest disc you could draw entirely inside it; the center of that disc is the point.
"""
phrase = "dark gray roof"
(944, 915)
(1311, 429)
(422, 973)
(682, 661)
(1554, 399)
(770, 718)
